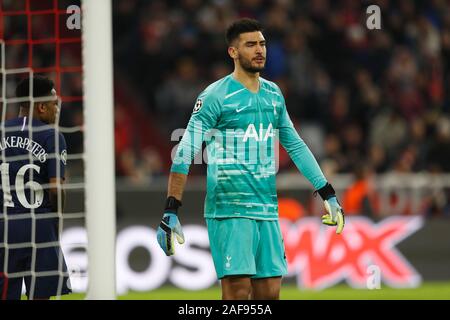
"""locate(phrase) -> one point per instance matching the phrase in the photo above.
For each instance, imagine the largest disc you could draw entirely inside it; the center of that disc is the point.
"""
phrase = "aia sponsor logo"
(320, 258)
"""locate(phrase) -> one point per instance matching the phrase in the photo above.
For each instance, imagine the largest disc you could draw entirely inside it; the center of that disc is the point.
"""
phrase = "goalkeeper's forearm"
(302, 156)
(177, 181)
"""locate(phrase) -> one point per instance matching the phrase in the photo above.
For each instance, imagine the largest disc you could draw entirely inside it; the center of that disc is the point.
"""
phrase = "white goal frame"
(99, 147)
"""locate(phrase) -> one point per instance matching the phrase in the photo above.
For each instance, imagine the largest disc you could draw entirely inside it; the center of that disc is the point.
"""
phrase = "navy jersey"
(28, 161)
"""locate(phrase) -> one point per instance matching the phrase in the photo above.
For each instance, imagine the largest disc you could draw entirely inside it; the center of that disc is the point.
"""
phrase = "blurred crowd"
(377, 98)
(365, 101)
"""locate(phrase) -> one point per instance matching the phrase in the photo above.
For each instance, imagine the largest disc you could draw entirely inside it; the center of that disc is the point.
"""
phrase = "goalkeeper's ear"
(233, 53)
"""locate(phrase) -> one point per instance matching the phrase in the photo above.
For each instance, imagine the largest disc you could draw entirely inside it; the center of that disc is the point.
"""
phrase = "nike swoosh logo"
(239, 110)
(232, 104)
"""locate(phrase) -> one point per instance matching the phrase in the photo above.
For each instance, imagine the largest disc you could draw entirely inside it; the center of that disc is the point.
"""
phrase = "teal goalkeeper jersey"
(241, 130)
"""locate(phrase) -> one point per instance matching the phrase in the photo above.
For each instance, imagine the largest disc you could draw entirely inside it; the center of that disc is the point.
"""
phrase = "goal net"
(45, 38)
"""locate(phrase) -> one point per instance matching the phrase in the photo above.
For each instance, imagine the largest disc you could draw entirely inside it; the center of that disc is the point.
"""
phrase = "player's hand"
(170, 227)
(168, 230)
(335, 215)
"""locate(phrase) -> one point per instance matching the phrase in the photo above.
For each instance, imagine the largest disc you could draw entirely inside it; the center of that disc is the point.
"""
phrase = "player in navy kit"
(33, 159)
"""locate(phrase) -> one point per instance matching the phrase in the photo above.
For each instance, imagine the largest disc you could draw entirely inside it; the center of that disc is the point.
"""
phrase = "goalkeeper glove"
(335, 214)
(170, 227)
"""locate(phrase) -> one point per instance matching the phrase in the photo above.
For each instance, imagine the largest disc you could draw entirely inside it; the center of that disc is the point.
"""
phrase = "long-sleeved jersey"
(241, 130)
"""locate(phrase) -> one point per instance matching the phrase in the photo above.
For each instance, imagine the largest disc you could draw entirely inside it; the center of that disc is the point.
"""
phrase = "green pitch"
(429, 290)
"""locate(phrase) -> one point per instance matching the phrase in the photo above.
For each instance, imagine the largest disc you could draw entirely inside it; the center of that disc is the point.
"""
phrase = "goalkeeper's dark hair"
(242, 26)
(42, 87)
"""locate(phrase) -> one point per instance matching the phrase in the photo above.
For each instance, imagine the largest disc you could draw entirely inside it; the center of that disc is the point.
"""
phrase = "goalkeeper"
(238, 117)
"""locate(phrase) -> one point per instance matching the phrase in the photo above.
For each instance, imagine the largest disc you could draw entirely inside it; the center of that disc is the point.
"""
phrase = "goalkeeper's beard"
(247, 66)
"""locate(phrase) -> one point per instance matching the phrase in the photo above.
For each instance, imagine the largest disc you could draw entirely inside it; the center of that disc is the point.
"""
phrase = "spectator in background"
(403, 80)
(300, 74)
(377, 158)
(333, 153)
(366, 102)
(360, 198)
(174, 98)
(438, 158)
(388, 130)
(123, 137)
(438, 204)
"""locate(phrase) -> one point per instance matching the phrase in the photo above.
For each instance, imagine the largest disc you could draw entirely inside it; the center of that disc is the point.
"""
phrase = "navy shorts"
(51, 278)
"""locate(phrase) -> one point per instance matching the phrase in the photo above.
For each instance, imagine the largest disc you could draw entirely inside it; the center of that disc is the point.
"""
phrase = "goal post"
(99, 147)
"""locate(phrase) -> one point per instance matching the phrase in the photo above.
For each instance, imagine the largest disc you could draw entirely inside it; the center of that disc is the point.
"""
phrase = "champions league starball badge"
(198, 105)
